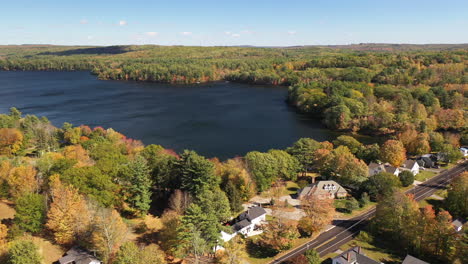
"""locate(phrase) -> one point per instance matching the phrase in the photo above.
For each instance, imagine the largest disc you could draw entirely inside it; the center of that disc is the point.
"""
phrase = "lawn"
(424, 175)
(49, 251)
(343, 213)
(6, 210)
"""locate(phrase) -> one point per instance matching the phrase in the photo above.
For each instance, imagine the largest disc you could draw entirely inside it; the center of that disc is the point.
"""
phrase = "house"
(411, 165)
(464, 151)
(324, 190)
(412, 260)
(246, 223)
(427, 161)
(353, 255)
(376, 168)
(458, 224)
(77, 255)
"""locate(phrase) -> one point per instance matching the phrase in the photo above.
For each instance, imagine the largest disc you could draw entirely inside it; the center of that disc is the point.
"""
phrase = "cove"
(216, 119)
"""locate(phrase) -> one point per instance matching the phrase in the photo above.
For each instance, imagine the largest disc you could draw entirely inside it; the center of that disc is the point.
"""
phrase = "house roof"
(391, 169)
(458, 223)
(77, 255)
(412, 260)
(323, 187)
(409, 164)
(355, 255)
(239, 225)
(374, 165)
(252, 213)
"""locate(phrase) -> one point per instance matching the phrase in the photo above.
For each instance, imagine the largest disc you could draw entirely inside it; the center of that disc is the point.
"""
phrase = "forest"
(94, 187)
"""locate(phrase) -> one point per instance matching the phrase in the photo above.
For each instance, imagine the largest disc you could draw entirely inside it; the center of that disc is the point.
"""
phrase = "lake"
(217, 119)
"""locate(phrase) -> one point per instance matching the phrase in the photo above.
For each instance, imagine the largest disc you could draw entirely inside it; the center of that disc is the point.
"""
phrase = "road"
(345, 230)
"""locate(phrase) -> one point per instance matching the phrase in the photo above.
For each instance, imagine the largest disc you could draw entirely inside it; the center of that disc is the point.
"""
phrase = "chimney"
(313, 180)
(348, 256)
(359, 250)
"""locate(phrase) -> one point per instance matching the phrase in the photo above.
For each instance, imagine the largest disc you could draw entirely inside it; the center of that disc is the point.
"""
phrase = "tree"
(381, 184)
(109, 232)
(406, 178)
(137, 184)
(263, 168)
(338, 117)
(457, 196)
(22, 180)
(303, 150)
(342, 166)
(353, 145)
(319, 213)
(30, 212)
(92, 182)
(3, 236)
(393, 152)
(234, 252)
(288, 166)
(449, 153)
(351, 204)
(195, 172)
(193, 243)
(68, 216)
(11, 140)
(130, 253)
(278, 235)
(162, 165)
(312, 256)
(179, 201)
(22, 252)
(436, 141)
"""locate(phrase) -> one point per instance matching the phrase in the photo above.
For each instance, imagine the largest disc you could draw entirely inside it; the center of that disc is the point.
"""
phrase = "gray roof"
(252, 213)
(354, 257)
(412, 260)
(239, 225)
(77, 255)
(390, 169)
(409, 164)
(458, 223)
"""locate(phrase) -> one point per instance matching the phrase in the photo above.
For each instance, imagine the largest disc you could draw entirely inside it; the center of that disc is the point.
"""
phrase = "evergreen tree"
(30, 212)
(22, 252)
(138, 184)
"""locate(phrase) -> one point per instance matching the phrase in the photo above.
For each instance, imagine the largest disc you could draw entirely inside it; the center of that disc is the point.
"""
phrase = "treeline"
(424, 232)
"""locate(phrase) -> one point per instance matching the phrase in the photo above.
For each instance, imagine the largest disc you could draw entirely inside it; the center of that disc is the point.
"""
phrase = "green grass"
(424, 175)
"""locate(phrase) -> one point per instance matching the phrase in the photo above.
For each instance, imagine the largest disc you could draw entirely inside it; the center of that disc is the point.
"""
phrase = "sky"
(234, 22)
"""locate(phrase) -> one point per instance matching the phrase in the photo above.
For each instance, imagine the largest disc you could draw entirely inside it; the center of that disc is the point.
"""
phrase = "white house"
(464, 151)
(458, 225)
(411, 165)
(376, 168)
(246, 223)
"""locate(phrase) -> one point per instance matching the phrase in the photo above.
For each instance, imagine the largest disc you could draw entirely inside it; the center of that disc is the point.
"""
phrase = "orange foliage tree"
(22, 180)
(319, 213)
(78, 153)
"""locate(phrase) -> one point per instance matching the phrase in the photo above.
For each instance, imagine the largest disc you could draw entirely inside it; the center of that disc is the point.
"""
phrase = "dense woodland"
(80, 185)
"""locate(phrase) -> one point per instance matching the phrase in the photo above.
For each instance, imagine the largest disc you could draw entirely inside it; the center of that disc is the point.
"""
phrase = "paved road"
(346, 230)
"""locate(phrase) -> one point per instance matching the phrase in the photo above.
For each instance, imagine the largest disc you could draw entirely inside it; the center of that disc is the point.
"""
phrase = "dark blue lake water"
(216, 119)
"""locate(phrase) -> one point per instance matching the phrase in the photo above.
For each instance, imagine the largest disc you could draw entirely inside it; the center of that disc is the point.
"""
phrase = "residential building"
(353, 255)
(458, 224)
(411, 165)
(324, 190)
(376, 168)
(412, 260)
(246, 223)
(464, 151)
(77, 255)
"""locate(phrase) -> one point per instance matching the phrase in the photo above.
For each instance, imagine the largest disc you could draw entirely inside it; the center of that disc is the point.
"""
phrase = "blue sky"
(239, 22)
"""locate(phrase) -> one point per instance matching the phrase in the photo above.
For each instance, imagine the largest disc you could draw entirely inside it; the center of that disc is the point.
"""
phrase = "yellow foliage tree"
(10, 140)
(68, 215)
(22, 180)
